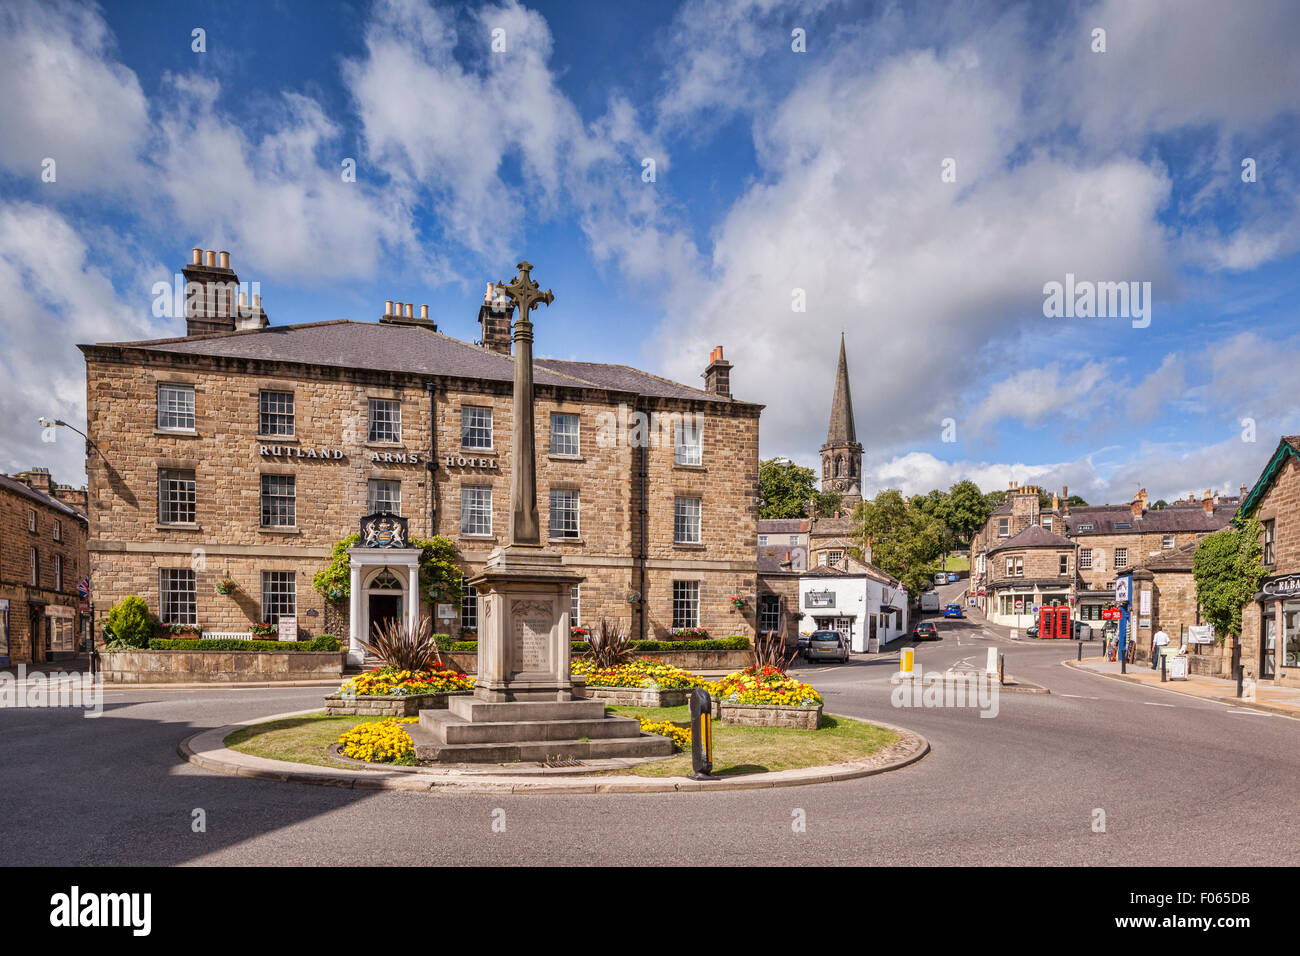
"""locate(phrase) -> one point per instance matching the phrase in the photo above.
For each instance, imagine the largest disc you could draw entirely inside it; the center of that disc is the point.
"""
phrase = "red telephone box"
(1054, 622)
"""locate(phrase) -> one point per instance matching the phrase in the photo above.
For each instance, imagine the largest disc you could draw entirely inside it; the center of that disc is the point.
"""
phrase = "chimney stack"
(403, 313)
(1244, 491)
(717, 376)
(494, 320)
(1207, 504)
(214, 300)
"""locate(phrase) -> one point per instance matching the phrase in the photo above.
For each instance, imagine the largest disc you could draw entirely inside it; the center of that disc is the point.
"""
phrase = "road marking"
(1080, 697)
(1252, 713)
(1151, 703)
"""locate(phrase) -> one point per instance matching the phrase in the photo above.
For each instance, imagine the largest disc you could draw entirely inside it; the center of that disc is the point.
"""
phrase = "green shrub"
(131, 623)
(231, 644)
(326, 642)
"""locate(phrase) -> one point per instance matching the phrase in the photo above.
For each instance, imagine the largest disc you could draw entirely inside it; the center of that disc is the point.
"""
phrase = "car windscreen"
(826, 635)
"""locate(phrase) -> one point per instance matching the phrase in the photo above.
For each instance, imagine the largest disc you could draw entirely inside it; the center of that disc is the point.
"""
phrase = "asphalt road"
(1180, 781)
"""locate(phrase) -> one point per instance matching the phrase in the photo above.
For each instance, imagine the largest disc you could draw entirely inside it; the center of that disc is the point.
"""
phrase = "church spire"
(842, 453)
(841, 428)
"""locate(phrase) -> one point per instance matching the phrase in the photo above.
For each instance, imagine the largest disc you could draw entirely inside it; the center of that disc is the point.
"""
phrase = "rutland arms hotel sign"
(337, 454)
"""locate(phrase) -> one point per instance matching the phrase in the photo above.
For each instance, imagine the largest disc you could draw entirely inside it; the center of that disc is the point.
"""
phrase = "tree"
(130, 623)
(967, 510)
(785, 488)
(826, 503)
(1160, 503)
(1228, 573)
(905, 541)
(1074, 501)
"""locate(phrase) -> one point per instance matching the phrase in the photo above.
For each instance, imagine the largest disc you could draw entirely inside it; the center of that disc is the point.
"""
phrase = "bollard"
(907, 661)
(701, 735)
(1002, 668)
(1240, 672)
(1164, 677)
(1079, 657)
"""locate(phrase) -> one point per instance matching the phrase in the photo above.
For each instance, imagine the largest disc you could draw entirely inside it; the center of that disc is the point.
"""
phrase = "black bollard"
(1240, 674)
(701, 735)
(1163, 677)
(1080, 654)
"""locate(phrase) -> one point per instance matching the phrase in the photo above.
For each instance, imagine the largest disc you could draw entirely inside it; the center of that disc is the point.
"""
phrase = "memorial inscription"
(532, 637)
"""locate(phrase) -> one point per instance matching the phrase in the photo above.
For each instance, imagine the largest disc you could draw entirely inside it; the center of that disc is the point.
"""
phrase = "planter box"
(694, 661)
(234, 667)
(338, 705)
(638, 696)
(768, 715)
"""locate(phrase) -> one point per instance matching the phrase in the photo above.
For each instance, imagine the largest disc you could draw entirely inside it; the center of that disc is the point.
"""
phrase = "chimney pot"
(716, 354)
(410, 310)
(243, 299)
(257, 301)
(211, 259)
(225, 259)
(424, 312)
(388, 307)
(196, 256)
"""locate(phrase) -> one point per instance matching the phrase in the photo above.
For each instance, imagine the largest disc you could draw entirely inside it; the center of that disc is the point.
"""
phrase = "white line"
(1252, 713)
(1080, 697)
(1151, 703)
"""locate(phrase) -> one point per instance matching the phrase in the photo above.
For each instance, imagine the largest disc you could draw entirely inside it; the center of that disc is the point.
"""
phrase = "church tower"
(842, 453)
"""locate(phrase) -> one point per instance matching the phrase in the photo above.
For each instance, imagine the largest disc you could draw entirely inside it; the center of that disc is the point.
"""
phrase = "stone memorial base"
(524, 706)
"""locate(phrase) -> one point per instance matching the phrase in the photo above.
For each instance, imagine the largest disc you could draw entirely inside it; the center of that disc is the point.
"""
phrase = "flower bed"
(383, 741)
(397, 693)
(645, 682)
(680, 736)
(766, 698)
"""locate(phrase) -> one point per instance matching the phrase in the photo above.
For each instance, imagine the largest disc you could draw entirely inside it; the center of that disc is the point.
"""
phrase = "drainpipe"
(431, 466)
(645, 511)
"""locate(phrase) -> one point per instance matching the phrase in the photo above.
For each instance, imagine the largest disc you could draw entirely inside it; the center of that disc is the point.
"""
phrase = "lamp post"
(46, 422)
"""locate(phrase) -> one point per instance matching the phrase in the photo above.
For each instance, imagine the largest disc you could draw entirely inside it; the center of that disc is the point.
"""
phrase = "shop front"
(1279, 628)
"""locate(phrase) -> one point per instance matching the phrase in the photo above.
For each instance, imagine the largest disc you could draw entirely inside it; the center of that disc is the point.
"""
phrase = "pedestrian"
(1157, 647)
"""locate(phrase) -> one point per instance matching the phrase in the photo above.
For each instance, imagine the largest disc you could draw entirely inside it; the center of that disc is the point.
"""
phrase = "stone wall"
(756, 715)
(192, 667)
(338, 705)
(638, 696)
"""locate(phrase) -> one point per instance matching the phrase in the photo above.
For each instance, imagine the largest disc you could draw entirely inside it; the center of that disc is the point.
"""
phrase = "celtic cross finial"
(524, 293)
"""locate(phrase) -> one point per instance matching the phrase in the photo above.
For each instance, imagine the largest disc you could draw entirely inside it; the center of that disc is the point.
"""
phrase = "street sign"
(288, 628)
(1121, 590)
(1200, 634)
(1176, 667)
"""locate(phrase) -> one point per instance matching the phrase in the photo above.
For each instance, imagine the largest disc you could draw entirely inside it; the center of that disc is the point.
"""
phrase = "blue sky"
(775, 171)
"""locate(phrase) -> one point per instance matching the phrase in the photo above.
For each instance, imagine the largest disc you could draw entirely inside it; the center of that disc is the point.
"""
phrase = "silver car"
(827, 645)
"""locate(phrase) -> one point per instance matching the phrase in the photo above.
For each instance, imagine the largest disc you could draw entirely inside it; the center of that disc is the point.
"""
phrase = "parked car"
(953, 610)
(1031, 630)
(925, 632)
(941, 578)
(953, 577)
(827, 646)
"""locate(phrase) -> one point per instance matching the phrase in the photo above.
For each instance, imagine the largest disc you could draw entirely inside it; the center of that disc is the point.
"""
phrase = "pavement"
(1277, 700)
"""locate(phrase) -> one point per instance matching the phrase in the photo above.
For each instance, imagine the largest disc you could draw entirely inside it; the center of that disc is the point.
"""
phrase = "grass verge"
(741, 750)
(303, 739)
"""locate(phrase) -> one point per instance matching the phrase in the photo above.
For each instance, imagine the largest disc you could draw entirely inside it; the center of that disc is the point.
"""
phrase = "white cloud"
(63, 97)
(55, 295)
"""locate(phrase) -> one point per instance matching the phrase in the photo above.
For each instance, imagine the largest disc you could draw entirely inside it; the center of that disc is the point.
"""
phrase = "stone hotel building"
(247, 450)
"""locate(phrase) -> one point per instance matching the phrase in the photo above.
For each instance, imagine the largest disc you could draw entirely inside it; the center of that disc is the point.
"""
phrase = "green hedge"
(325, 642)
(738, 643)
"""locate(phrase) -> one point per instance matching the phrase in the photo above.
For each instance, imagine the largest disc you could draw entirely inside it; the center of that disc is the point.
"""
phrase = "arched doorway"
(385, 600)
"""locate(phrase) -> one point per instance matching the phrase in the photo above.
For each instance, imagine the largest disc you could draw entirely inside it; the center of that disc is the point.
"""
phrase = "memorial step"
(452, 730)
(479, 711)
(429, 749)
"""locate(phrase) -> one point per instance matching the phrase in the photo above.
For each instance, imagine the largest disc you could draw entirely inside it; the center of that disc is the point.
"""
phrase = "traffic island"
(763, 762)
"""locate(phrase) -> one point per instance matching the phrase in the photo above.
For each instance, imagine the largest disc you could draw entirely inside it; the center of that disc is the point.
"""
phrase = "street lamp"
(60, 423)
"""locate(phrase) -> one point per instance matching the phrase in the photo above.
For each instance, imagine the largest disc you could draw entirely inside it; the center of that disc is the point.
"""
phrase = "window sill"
(479, 538)
(177, 526)
(686, 546)
(280, 530)
(554, 457)
(565, 541)
(677, 466)
(177, 432)
(384, 444)
(477, 452)
(278, 439)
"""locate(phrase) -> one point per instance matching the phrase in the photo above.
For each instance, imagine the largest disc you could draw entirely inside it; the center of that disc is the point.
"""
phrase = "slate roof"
(1034, 536)
(771, 561)
(1178, 559)
(344, 343)
(1164, 520)
(782, 525)
(851, 566)
(40, 497)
